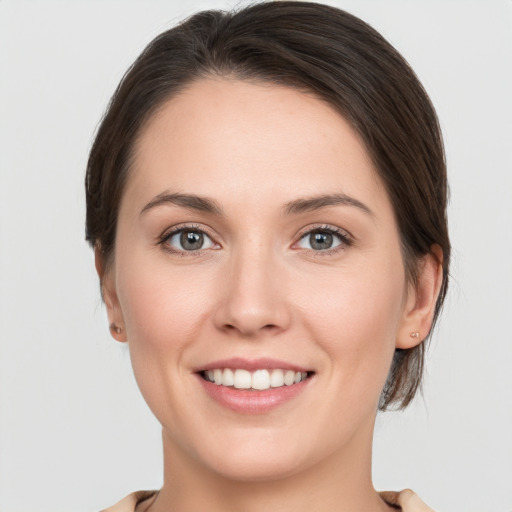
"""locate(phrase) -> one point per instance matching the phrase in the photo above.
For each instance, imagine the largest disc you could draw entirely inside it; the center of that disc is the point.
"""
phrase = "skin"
(259, 290)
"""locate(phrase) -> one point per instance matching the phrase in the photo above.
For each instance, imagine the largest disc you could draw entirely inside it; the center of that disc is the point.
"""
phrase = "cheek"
(162, 309)
(354, 317)
(161, 305)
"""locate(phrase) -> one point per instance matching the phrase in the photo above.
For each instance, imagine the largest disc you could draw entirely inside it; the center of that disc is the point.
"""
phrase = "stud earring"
(114, 328)
(415, 335)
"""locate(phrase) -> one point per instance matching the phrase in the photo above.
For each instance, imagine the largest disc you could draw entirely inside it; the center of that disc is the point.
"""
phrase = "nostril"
(248, 329)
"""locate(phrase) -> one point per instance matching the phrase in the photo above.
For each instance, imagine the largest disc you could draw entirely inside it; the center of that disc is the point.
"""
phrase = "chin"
(256, 469)
(268, 457)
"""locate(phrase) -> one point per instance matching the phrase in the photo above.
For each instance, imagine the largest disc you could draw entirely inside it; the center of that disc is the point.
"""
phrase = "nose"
(253, 295)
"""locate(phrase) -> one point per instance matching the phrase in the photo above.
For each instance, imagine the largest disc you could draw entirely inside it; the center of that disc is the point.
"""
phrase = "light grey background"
(74, 432)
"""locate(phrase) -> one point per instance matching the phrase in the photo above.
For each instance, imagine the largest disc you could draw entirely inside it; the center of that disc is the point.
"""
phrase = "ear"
(109, 295)
(421, 301)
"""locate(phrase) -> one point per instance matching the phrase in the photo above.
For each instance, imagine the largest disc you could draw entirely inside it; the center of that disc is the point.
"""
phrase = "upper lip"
(251, 365)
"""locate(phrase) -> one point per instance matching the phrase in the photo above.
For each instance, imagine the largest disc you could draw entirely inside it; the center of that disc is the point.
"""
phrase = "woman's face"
(254, 234)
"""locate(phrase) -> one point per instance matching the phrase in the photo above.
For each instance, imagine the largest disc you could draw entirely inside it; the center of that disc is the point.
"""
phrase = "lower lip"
(252, 402)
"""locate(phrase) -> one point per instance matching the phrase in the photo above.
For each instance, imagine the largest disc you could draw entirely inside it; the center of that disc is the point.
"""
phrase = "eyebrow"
(295, 207)
(309, 204)
(189, 201)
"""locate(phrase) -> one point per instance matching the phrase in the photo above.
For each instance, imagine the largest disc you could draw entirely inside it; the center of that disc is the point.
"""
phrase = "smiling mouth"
(258, 380)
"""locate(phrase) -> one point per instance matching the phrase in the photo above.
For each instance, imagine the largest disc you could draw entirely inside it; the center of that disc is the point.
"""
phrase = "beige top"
(406, 501)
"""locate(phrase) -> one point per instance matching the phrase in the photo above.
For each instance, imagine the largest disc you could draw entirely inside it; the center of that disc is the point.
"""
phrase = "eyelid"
(345, 238)
(173, 230)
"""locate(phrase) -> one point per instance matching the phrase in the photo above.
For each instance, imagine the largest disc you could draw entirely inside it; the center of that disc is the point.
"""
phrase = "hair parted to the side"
(318, 49)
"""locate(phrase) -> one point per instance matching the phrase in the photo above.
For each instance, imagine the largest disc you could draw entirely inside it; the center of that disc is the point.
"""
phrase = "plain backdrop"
(75, 433)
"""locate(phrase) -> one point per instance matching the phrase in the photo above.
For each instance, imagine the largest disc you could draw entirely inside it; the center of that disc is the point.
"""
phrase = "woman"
(266, 199)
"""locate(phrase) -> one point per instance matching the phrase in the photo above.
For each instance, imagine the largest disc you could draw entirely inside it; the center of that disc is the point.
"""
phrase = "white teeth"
(289, 377)
(258, 380)
(242, 379)
(217, 376)
(277, 378)
(261, 379)
(228, 377)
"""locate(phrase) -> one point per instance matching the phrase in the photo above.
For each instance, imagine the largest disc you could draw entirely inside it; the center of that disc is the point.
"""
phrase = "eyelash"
(167, 235)
(344, 238)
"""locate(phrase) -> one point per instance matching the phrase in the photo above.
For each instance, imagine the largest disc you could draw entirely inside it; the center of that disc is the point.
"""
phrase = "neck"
(338, 483)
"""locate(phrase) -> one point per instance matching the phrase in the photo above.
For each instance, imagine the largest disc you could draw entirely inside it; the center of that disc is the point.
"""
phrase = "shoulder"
(131, 501)
(406, 500)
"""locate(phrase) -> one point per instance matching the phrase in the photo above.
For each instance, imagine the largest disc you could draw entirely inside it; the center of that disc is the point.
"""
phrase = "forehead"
(237, 139)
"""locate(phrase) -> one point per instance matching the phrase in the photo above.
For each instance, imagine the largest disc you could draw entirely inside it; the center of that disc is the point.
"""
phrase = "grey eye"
(189, 240)
(320, 240)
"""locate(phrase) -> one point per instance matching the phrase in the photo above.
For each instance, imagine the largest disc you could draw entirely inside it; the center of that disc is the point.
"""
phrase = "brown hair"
(318, 49)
